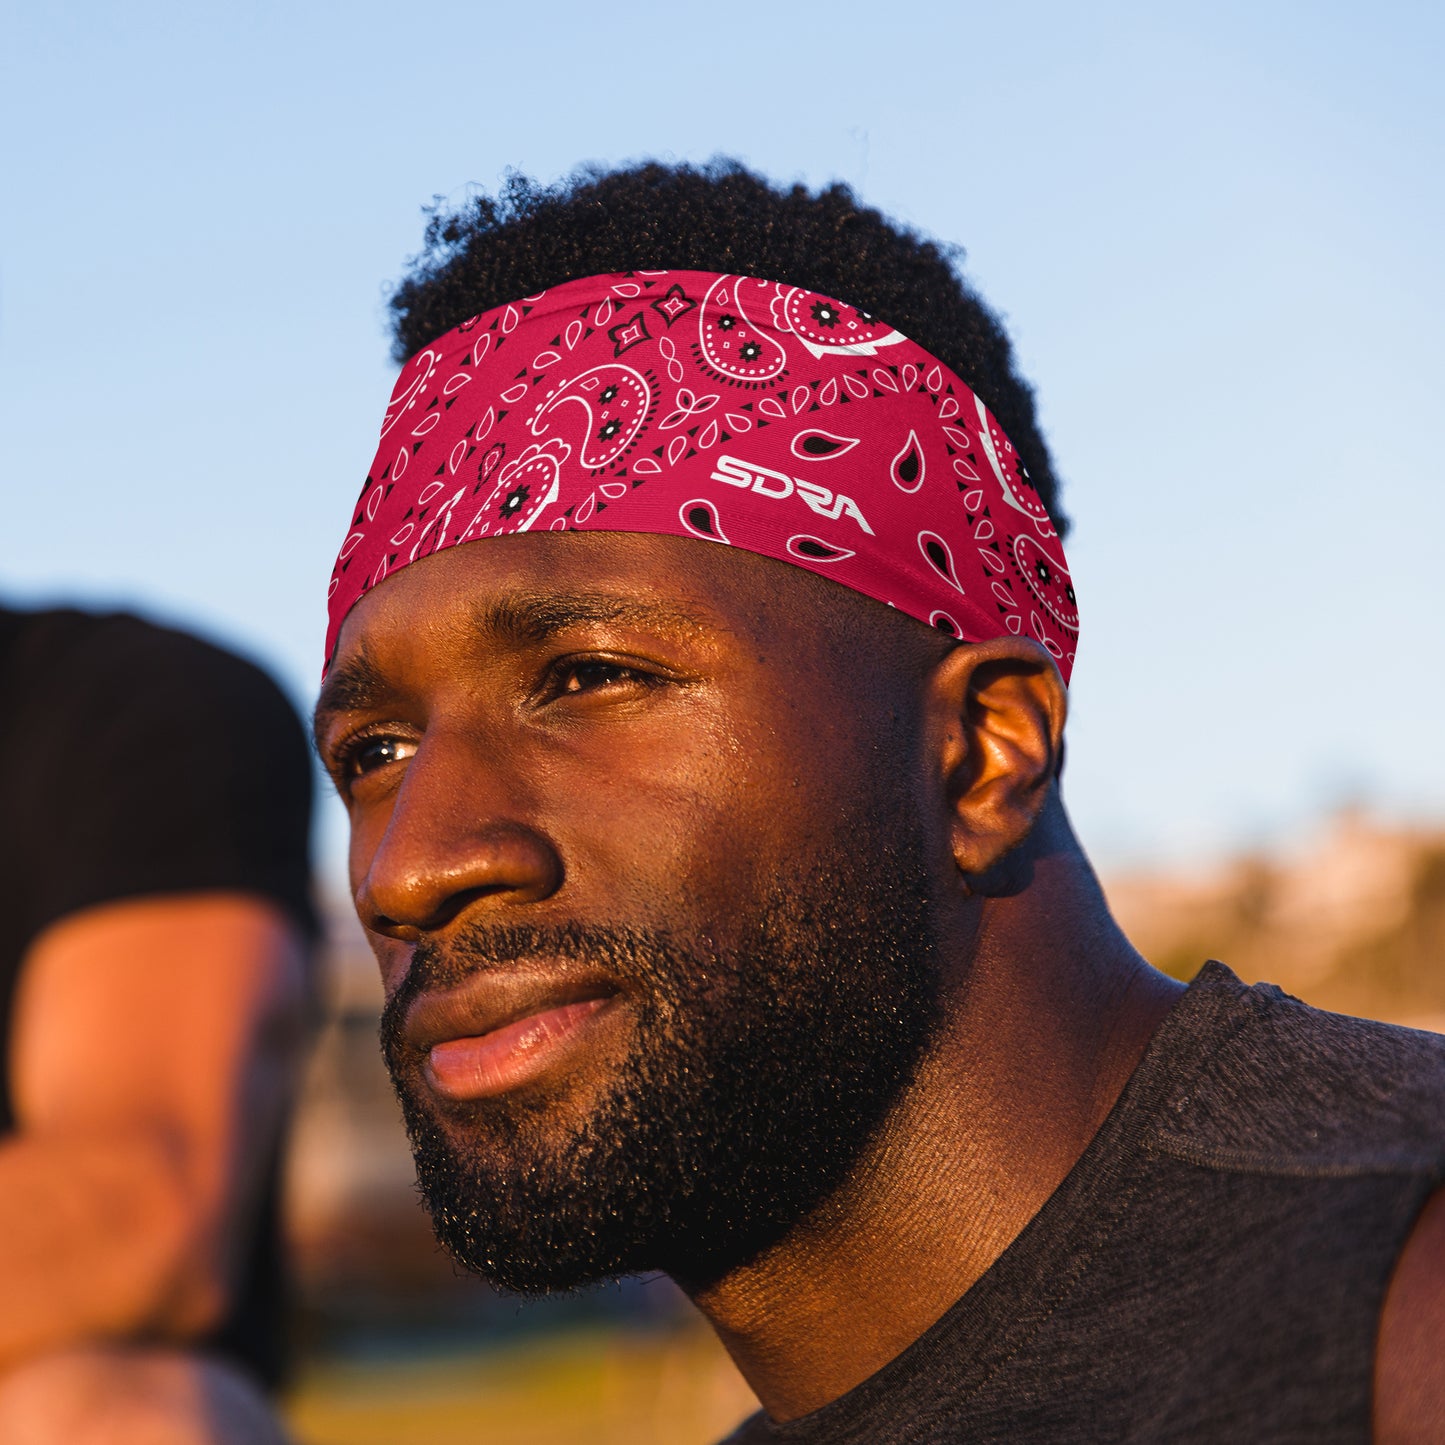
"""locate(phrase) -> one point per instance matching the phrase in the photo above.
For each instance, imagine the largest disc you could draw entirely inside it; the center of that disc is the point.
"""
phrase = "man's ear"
(996, 713)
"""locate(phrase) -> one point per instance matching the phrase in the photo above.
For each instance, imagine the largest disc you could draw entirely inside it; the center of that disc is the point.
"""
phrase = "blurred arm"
(154, 1047)
(1410, 1359)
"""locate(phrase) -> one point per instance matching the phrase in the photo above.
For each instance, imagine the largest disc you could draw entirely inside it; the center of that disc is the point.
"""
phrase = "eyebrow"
(527, 618)
(353, 685)
(522, 619)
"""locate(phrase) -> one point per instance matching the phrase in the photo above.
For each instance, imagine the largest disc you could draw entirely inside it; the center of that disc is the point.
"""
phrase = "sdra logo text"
(779, 485)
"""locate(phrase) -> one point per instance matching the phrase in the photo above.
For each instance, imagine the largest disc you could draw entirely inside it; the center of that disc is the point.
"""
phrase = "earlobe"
(998, 711)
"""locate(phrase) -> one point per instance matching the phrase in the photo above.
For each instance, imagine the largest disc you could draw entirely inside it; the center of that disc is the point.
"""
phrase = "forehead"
(513, 584)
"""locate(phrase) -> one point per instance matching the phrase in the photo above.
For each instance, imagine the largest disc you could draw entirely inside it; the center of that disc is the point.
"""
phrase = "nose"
(457, 836)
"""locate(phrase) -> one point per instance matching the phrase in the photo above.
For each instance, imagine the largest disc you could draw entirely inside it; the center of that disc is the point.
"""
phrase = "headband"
(742, 412)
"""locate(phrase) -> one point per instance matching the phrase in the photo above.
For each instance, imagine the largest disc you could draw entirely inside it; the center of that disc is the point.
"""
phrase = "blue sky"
(1214, 232)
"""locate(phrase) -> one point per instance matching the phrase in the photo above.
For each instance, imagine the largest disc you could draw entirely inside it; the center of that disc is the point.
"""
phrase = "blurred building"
(1352, 920)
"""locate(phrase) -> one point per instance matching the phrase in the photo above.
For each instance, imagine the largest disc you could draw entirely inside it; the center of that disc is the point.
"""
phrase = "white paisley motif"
(828, 328)
(732, 343)
(1025, 502)
(614, 401)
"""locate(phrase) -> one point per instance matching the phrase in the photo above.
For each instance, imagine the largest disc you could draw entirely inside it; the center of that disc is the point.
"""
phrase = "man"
(696, 689)
(153, 868)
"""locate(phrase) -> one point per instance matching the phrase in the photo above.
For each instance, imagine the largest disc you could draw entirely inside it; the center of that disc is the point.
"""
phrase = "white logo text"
(768, 483)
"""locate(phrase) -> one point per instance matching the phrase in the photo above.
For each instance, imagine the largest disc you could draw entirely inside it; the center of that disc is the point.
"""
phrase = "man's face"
(634, 833)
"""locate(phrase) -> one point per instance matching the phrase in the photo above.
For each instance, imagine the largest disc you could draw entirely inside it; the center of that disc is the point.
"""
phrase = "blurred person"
(156, 799)
(696, 689)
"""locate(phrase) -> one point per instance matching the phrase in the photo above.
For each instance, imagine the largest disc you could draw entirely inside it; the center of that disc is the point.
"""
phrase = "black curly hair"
(716, 217)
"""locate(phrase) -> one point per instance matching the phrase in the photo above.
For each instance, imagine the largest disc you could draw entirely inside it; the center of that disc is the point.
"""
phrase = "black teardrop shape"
(945, 626)
(809, 548)
(819, 446)
(937, 556)
(908, 468)
(701, 518)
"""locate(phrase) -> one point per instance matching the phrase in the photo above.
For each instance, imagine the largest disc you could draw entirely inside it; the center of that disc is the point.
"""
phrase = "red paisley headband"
(725, 408)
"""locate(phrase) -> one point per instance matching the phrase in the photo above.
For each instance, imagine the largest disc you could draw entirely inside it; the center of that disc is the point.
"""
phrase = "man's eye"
(590, 676)
(367, 755)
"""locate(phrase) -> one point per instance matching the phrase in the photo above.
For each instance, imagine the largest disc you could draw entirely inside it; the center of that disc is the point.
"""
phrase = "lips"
(501, 1030)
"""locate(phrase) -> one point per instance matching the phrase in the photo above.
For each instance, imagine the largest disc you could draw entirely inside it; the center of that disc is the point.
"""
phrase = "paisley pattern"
(734, 343)
(825, 326)
(738, 411)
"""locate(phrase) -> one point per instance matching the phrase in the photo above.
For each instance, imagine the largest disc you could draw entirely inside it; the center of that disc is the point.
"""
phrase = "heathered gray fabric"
(1213, 1267)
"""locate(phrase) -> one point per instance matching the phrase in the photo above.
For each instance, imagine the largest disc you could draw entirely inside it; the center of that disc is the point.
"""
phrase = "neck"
(1046, 1016)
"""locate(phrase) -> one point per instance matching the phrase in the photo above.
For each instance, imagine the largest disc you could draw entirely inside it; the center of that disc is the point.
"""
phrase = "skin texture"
(140, 1149)
(503, 763)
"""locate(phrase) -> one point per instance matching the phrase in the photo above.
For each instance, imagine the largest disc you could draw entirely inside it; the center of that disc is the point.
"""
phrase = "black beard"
(758, 1075)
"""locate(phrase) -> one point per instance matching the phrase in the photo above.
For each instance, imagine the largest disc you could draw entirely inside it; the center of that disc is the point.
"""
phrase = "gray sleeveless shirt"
(1213, 1267)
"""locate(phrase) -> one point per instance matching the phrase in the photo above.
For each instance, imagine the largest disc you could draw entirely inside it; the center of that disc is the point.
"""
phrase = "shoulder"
(1284, 1085)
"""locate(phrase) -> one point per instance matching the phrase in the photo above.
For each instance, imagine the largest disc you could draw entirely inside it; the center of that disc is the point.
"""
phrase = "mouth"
(497, 1032)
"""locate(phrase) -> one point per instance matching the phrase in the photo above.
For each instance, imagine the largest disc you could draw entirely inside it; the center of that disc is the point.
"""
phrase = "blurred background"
(1213, 232)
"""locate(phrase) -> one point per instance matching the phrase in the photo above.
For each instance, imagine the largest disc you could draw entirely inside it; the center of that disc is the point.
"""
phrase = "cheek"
(653, 816)
(707, 812)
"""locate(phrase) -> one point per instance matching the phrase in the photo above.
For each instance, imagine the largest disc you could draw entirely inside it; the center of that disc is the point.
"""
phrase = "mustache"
(629, 954)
